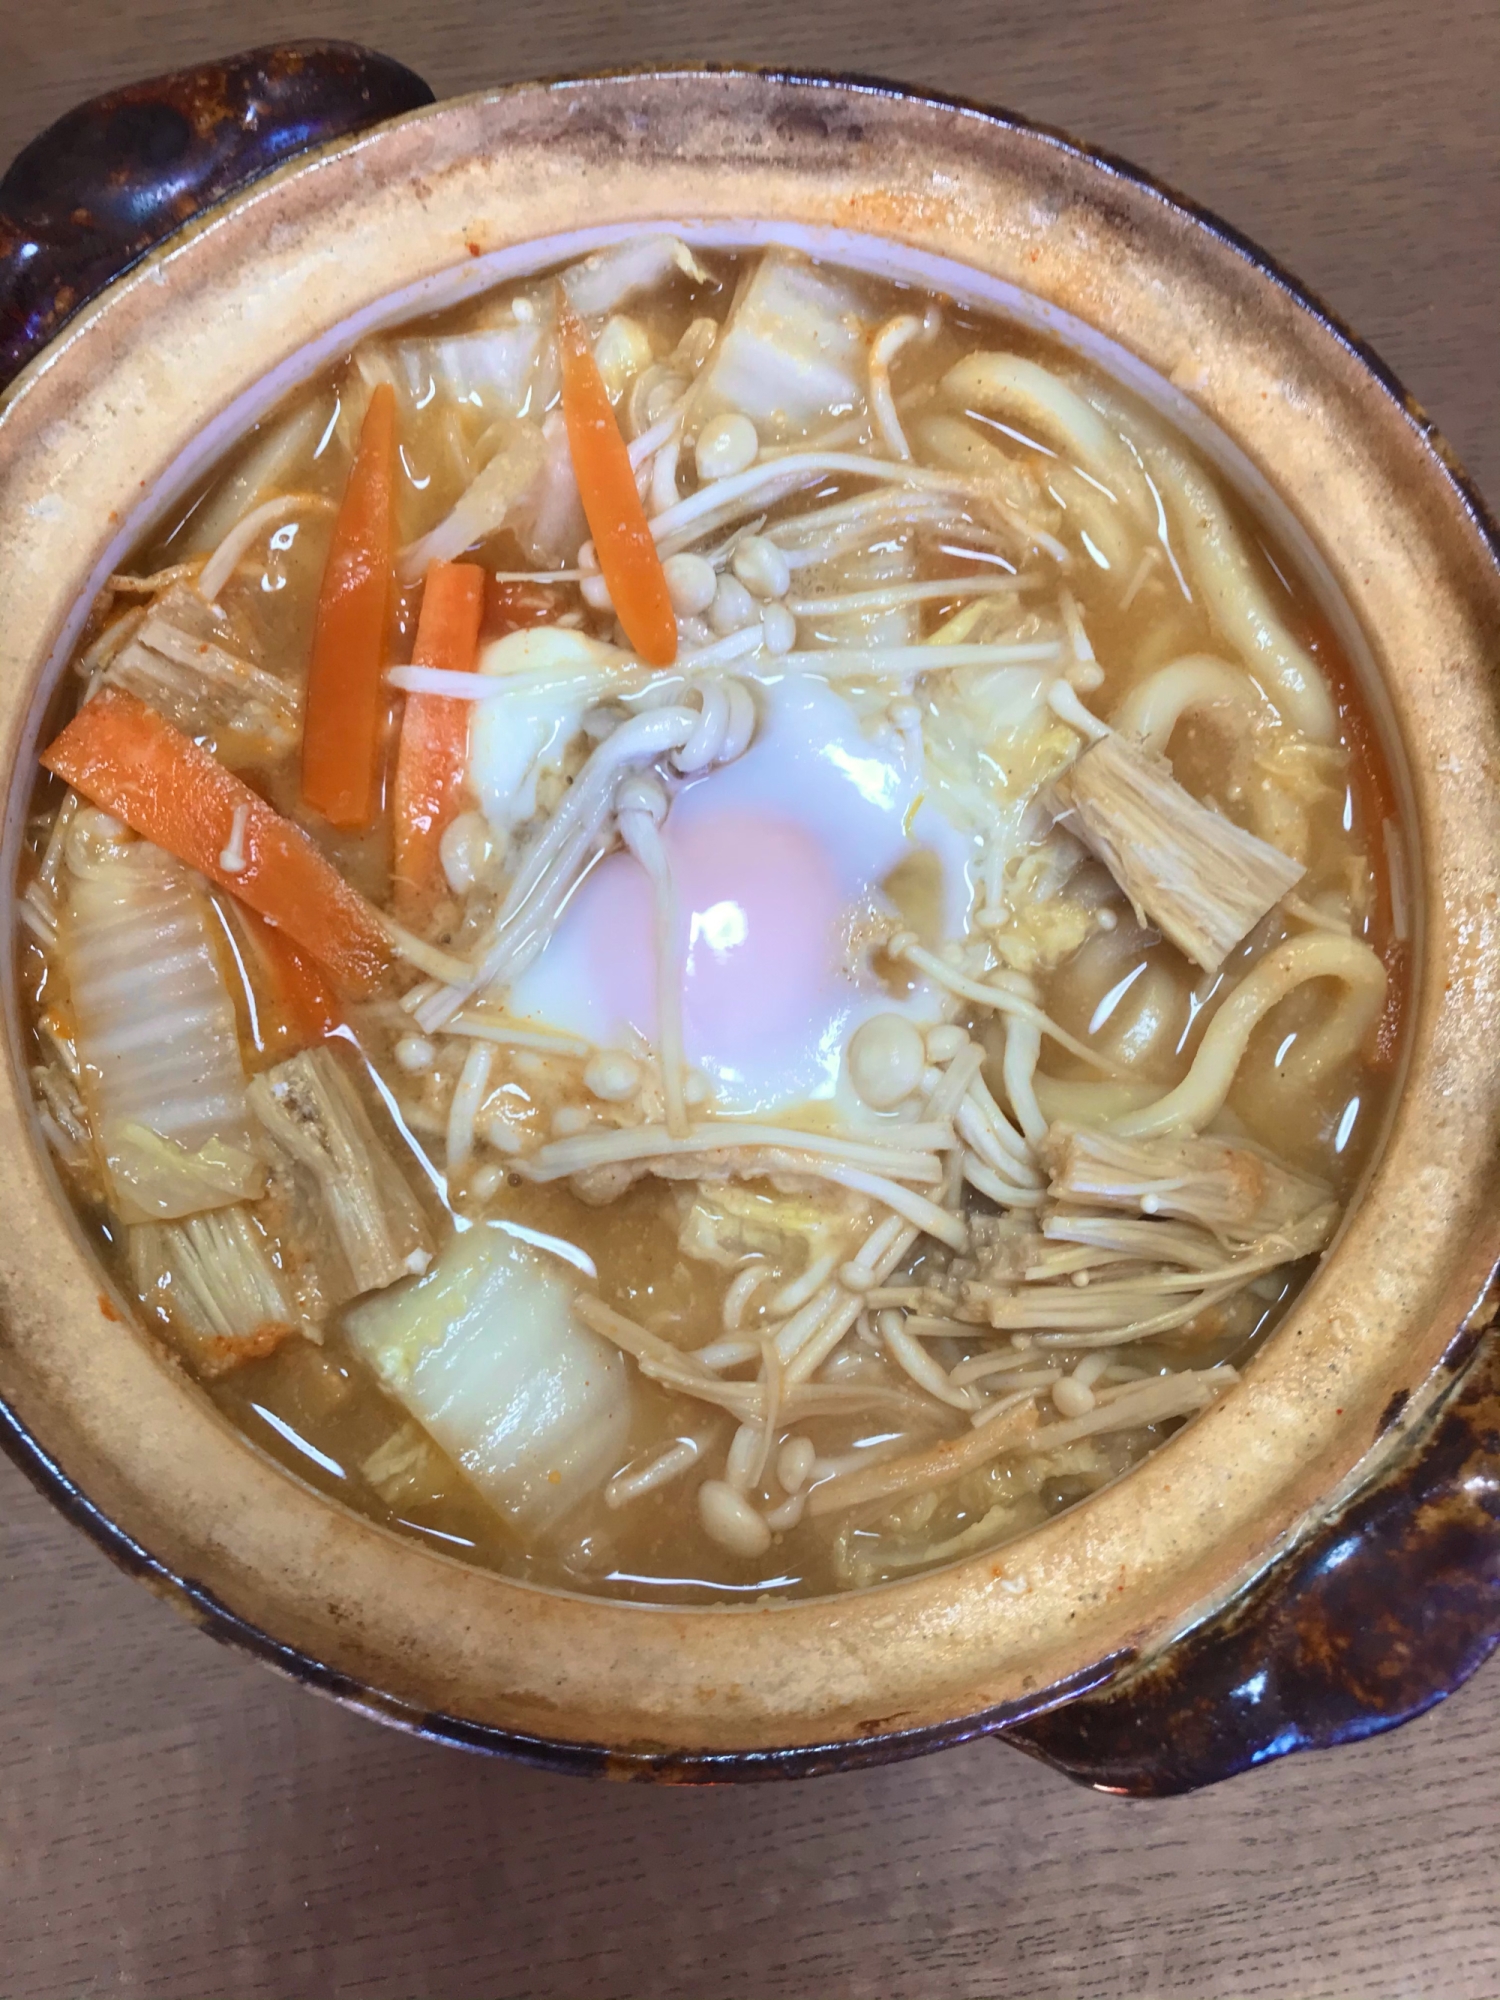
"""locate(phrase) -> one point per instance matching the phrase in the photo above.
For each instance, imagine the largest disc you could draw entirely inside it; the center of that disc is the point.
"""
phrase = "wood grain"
(174, 1821)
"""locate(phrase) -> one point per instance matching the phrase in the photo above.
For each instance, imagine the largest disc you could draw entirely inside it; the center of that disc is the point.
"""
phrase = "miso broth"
(710, 926)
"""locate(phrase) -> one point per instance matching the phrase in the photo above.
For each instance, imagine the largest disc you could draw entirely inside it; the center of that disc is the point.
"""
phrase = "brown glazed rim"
(144, 1462)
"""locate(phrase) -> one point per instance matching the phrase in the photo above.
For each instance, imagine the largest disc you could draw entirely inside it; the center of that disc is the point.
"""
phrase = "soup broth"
(710, 926)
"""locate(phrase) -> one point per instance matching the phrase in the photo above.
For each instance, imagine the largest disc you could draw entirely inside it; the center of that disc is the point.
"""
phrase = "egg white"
(836, 807)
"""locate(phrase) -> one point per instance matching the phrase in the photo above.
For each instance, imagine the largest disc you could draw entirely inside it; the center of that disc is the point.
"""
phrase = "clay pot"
(1358, 1410)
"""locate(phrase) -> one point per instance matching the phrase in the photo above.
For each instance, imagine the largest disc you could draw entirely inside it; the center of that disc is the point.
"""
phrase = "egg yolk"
(758, 908)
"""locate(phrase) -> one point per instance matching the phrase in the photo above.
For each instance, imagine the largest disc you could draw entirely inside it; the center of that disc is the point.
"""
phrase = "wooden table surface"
(175, 1821)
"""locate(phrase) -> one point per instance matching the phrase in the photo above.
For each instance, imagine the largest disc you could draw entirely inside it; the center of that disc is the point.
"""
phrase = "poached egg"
(784, 864)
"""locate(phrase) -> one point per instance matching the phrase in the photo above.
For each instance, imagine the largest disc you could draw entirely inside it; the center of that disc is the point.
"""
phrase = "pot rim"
(719, 1728)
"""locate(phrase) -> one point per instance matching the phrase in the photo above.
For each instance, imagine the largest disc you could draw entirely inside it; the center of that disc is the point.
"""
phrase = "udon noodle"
(710, 926)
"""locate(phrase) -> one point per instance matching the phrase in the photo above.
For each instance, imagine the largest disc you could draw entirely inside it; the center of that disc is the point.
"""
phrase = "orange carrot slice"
(434, 753)
(345, 699)
(301, 997)
(617, 521)
(131, 761)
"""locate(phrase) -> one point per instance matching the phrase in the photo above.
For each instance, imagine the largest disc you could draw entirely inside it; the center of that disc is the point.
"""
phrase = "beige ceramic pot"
(131, 399)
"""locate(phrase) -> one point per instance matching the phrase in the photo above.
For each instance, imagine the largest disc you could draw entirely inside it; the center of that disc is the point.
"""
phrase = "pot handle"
(113, 177)
(1383, 1611)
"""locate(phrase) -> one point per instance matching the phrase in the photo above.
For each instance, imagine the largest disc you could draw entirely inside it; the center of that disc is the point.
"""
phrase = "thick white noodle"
(1318, 955)
(1154, 707)
(1040, 402)
(887, 344)
(1236, 599)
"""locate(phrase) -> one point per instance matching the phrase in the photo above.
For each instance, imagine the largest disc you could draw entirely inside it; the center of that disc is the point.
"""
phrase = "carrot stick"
(434, 754)
(300, 994)
(617, 521)
(345, 698)
(132, 762)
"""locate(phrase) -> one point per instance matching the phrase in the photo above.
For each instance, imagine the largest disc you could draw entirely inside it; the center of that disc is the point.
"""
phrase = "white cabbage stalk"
(214, 1279)
(792, 352)
(510, 366)
(528, 483)
(487, 1354)
(265, 469)
(1200, 879)
(312, 1114)
(408, 1466)
(621, 352)
(494, 367)
(549, 521)
(603, 281)
(162, 1078)
(485, 505)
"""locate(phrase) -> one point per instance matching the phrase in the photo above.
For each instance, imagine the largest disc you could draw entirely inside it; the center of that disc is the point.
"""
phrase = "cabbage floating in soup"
(711, 926)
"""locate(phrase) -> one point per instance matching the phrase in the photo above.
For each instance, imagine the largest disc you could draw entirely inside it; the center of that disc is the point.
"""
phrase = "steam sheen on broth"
(842, 960)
